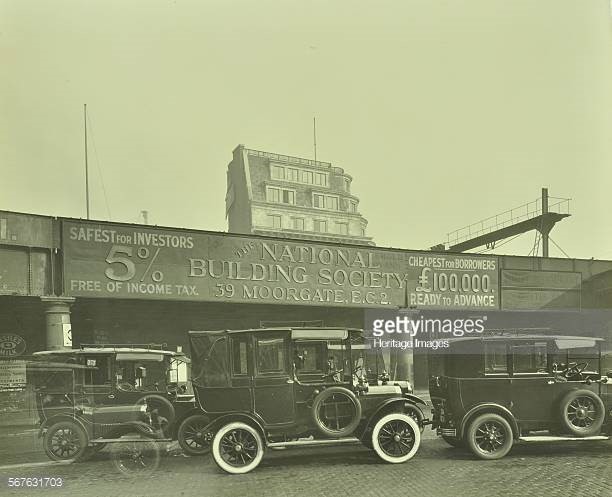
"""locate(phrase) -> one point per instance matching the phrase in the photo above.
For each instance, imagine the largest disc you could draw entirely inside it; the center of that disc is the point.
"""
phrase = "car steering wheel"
(575, 369)
(333, 373)
(125, 386)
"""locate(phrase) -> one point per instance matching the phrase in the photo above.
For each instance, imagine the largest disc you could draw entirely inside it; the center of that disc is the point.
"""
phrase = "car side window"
(530, 358)
(240, 347)
(496, 358)
(98, 372)
(271, 355)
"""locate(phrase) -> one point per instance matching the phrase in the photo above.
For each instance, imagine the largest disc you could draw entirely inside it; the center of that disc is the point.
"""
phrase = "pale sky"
(444, 112)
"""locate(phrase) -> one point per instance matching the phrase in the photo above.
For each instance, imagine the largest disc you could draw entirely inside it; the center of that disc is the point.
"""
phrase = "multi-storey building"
(279, 195)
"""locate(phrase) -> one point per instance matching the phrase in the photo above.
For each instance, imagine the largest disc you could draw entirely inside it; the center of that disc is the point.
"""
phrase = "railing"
(507, 218)
(288, 158)
(149, 346)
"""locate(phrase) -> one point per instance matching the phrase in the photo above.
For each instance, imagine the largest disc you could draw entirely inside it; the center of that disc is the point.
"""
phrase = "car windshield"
(142, 374)
(315, 358)
(587, 357)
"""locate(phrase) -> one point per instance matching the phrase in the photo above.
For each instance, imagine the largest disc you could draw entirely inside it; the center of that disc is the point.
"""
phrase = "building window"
(307, 177)
(342, 228)
(292, 174)
(352, 206)
(273, 194)
(277, 172)
(275, 221)
(347, 184)
(320, 179)
(320, 225)
(288, 197)
(318, 200)
(298, 223)
(331, 203)
(278, 195)
(321, 201)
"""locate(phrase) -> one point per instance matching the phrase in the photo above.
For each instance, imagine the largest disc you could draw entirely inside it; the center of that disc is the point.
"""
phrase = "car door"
(97, 382)
(273, 393)
(534, 387)
(480, 371)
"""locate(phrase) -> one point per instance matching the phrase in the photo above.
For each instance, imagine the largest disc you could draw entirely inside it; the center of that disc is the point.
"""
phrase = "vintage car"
(491, 391)
(287, 387)
(93, 395)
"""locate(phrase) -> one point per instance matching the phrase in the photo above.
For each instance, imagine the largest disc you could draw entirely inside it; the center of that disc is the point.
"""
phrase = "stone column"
(57, 311)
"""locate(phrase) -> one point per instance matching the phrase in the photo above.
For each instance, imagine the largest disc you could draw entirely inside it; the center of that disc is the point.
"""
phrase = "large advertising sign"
(108, 260)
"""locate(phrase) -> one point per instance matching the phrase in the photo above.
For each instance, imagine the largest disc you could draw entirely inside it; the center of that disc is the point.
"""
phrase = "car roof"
(107, 350)
(272, 329)
(522, 337)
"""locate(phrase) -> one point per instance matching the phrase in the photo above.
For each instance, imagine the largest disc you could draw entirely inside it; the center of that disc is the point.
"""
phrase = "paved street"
(560, 469)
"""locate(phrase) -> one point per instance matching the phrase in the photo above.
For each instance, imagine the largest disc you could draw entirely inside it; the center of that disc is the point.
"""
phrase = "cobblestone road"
(559, 469)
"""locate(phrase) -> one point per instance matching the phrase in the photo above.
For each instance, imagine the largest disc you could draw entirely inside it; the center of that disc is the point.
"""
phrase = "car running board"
(129, 439)
(307, 442)
(551, 438)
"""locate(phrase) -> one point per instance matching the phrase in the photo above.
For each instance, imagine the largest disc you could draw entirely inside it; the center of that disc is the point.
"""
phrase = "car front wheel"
(66, 441)
(489, 436)
(582, 413)
(396, 438)
(237, 448)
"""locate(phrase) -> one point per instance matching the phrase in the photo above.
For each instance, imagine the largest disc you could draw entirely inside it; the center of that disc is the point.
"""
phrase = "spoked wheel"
(396, 437)
(336, 412)
(490, 436)
(237, 448)
(140, 458)
(582, 413)
(193, 437)
(65, 441)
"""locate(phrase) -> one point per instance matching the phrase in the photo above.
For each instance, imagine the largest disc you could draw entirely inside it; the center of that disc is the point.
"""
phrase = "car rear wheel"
(489, 436)
(396, 438)
(237, 448)
(66, 441)
(582, 413)
(193, 438)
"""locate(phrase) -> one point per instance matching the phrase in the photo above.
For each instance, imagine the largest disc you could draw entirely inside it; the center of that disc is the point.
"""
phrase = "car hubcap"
(490, 436)
(238, 447)
(65, 443)
(196, 437)
(396, 438)
(133, 458)
(581, 412)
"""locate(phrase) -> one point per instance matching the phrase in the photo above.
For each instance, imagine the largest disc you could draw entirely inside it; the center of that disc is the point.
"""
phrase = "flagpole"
(86, 163)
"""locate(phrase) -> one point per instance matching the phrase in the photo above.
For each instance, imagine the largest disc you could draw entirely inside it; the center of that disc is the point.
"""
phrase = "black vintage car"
(491, 391)
(93, 395)
(286, 387)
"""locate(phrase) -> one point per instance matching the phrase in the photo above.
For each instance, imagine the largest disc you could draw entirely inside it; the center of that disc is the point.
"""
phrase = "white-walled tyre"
(237, 448)
(396, 438)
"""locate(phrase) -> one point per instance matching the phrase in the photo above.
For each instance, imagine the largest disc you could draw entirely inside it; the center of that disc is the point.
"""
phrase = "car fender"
(183, 416)
(485, 408)
(56, 419)
(249, 418)
(415, 399)
(409, 399)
